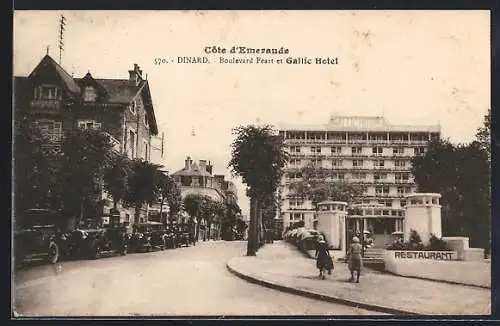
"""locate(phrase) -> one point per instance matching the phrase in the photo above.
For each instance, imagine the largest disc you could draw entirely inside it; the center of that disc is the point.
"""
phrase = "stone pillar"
(423, 214)
(331, 221)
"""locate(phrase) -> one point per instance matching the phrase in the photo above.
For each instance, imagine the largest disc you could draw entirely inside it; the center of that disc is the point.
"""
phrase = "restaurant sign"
(436, 255)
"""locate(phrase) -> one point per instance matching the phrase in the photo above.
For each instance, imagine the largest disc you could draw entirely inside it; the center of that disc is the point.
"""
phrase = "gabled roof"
(193, 171)
(116, 91)
(66, 78)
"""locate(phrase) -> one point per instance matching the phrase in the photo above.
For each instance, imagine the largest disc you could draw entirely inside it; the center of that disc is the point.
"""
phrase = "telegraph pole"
(62, 24)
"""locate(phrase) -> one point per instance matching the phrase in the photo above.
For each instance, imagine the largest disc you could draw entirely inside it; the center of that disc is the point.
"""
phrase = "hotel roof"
(360, 123)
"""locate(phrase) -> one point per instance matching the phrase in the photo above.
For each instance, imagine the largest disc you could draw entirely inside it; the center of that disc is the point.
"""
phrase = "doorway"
(382, 230)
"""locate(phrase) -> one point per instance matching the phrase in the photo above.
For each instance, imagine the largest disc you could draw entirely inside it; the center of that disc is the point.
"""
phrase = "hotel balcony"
(46, 106)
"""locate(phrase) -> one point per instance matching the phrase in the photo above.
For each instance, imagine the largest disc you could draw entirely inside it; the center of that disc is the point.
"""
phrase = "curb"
(484, 287)
(322, 297)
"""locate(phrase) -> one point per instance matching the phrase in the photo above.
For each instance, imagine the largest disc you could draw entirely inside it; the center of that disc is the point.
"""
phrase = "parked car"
(158, 235)
(91, 240)
(170, 237)
(140, 239)
(184, 237)
(37, 234)
(308, 239)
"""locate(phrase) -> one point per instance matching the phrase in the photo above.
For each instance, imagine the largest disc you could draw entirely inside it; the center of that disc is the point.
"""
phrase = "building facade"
(57, 102)
(198, 178)
(364, 150)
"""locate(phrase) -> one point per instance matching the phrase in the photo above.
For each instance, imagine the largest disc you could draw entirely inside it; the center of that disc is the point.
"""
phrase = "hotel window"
(338, 176)
(402, 203)
(381, 191)
(336, 150)
(359, 176)
(294, 149)
(337, 163)
(357, 163)
(294, 162)
(89, 94)
(377, 150)
(399, 163)
(46, 92)
(377, 212)
(380, 163)
(398, 150)
(297, 216)
(402, 191)
(379, 176)
(419, 150)
(316, 150)
(357, 150)
(316, 162)
(88, 124)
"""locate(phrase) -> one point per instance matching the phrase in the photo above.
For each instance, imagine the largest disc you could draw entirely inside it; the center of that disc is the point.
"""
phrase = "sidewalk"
(283, 267)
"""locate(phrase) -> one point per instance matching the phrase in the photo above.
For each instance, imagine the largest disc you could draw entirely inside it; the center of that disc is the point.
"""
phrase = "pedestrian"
(355, 259)
(323, 259)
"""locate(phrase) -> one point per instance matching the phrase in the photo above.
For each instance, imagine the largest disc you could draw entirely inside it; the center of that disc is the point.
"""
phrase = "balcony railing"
(46, 106)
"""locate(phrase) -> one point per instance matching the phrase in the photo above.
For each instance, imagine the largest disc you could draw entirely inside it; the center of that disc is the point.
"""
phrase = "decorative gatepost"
(423, 214)
(331, 216)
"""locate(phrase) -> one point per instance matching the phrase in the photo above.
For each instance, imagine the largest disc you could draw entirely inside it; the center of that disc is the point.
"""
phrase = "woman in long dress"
(323, 259)
(355, 259)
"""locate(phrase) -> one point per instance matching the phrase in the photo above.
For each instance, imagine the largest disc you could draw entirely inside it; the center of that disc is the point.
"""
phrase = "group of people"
(324, 261)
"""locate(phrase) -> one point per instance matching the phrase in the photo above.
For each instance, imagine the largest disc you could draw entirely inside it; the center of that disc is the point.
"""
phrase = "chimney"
(203, 165)
(135, 75)
(209, 168)
(187, 163)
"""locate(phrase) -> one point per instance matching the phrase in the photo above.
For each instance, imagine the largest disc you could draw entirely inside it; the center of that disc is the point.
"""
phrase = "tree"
(258, 156)
(483, 134)
(194, 205)
(35, 171)
(142, 185)
(116, 177)
(229, 221)
(170, 193)
(213, 211)
(87, 155)
(461, 175)
(314, 184)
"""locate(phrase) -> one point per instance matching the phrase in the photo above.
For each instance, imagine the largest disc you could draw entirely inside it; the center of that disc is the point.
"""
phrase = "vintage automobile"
(170, 237)
(92, 240)
(140, 239)
(184, 235)
(37, 235)
(158, 234)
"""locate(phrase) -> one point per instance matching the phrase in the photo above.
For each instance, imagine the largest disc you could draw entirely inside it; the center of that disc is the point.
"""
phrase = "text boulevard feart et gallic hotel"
(365, 150)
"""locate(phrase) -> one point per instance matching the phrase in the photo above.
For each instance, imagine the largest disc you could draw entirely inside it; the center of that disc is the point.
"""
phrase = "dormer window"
(89, 94)
(46, 92)
(132, 107)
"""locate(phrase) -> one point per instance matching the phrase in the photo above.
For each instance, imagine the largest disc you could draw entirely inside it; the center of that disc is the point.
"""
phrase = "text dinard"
(245, 50)
(424, 255)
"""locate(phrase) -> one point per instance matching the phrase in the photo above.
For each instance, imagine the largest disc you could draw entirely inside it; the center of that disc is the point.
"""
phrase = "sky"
(420, 67)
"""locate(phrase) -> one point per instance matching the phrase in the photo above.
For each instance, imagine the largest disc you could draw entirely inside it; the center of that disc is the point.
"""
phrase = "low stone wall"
(461, 246)
(439, 266)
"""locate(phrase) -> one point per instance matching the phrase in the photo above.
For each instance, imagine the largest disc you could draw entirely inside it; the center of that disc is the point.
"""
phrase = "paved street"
(184, 281)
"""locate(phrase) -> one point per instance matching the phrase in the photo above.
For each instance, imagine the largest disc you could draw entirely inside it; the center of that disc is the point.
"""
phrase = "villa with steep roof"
(57, 102)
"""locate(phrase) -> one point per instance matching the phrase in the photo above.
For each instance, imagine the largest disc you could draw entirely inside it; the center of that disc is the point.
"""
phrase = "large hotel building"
(364, 150)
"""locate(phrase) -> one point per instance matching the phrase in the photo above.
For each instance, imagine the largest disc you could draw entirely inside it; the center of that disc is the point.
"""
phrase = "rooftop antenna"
(48, 47)
(62, 24)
